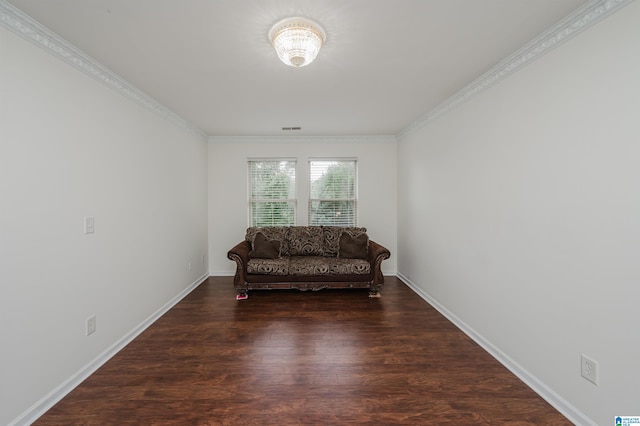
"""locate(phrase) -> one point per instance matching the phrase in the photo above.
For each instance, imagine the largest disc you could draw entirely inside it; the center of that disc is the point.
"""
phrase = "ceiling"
(385, 62)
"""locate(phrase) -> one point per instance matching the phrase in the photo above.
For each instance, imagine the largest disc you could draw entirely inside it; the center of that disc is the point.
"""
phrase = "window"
(272, 189)
(332, 192)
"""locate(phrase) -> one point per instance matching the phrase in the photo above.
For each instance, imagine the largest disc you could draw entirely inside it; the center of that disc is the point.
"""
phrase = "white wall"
(228, 187)
(71, 147)
(519, 214)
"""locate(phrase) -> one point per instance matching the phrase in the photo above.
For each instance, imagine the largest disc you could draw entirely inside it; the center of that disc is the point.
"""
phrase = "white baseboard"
(559, 403)
(48, 401)
(222, 273)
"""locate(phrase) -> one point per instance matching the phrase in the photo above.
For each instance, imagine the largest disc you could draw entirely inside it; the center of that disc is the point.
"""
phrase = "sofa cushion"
(353, 247)
(341, 266)
(323, 265)
(305, 241)
(262, 248)
(309, 265)
(279, 266)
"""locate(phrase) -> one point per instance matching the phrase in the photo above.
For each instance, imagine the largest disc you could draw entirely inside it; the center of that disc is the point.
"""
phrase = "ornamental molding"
(582, 18)
(28, 28)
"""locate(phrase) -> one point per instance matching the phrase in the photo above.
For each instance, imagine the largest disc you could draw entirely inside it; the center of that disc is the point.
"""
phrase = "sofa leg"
(374, 293)
(243, 294)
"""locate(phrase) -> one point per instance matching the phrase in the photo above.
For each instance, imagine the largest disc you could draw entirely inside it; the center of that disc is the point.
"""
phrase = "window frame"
(354, 200)
(251, 201)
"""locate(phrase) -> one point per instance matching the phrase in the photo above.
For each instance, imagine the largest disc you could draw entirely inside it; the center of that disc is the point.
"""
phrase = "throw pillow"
(331, 235)
(264, 248)
(353, 247)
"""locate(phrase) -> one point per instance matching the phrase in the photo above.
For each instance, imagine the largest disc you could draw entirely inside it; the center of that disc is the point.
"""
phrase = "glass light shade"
(297, 41)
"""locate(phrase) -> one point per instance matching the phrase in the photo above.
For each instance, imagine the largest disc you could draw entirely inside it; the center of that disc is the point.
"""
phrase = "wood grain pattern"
(332, 357)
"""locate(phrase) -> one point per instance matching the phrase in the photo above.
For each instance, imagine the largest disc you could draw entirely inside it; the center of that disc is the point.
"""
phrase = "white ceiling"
(385, 62)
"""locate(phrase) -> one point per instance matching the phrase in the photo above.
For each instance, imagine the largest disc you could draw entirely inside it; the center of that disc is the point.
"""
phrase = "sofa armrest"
(376, 250)
(377, 254)
(240, 254)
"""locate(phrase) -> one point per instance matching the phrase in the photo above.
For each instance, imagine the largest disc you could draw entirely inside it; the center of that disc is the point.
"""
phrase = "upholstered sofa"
(307, 258)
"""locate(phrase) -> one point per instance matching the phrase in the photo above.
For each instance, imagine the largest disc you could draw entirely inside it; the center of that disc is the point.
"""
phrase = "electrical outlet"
(189, 265)
(589, 369)
(203, 259)
(91, 325)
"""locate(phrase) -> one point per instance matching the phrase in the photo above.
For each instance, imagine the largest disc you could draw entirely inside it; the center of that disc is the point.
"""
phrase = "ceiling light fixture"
(297, 40)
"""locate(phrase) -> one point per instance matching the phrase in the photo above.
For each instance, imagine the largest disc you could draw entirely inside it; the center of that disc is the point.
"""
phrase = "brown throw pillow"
(353, 247)
(264, 248)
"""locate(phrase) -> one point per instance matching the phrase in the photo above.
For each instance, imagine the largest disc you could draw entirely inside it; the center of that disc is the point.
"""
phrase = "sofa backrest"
(305, 240)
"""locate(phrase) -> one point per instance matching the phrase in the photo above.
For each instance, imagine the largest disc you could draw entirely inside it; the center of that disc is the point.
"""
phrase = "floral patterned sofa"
(307, 258)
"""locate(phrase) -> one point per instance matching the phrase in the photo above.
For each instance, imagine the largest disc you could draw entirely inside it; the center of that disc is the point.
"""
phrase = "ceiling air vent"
(292, 128)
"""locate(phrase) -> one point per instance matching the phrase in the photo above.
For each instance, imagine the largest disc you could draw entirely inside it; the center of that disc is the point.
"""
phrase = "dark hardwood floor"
(302, 358)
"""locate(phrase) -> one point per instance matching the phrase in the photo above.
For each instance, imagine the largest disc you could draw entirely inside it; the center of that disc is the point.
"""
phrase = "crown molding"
(304, 139)
(582, 18)
(26, 27)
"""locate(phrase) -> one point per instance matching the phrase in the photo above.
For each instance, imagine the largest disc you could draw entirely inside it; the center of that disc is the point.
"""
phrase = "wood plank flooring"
(302, 358)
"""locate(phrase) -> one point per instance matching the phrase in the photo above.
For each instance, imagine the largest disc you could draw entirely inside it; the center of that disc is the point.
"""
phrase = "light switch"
(88, 225)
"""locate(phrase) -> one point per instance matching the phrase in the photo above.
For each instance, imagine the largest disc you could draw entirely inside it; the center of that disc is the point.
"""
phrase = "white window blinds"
(332, 192)
(272, 192)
